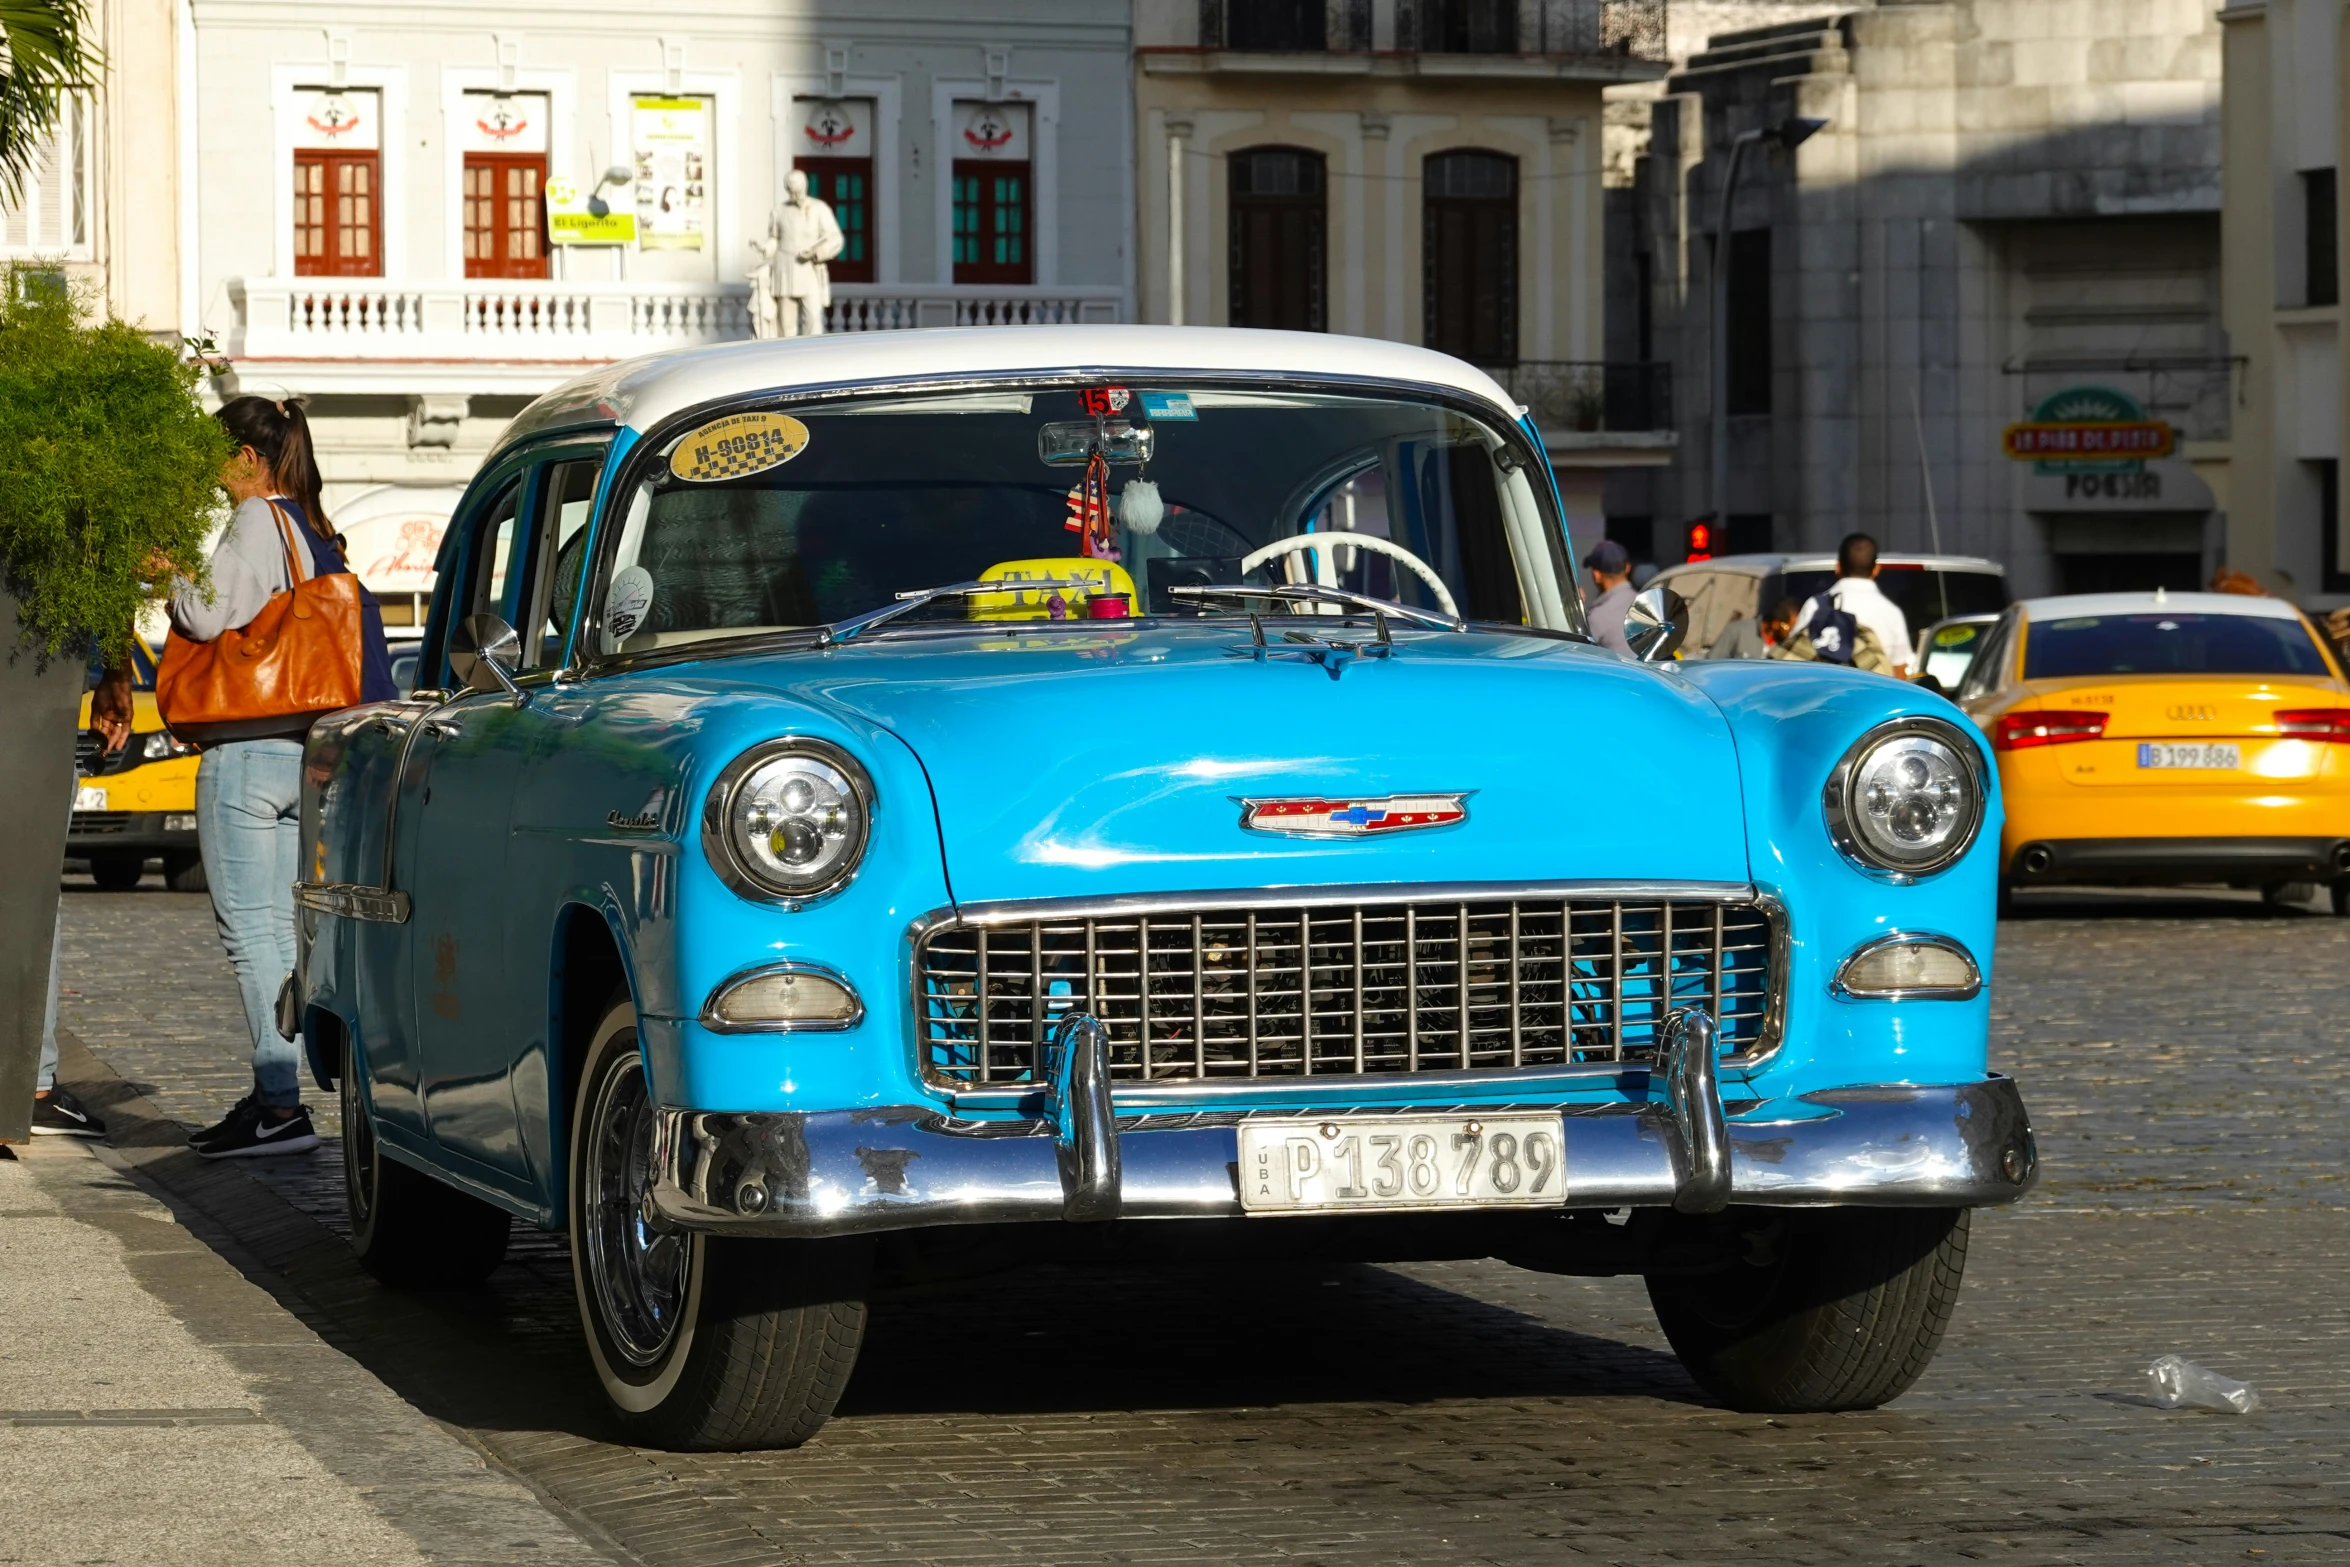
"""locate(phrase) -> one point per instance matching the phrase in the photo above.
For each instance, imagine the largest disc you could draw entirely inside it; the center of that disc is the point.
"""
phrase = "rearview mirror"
(1067, 443)
(484, 652)
(1655, 622)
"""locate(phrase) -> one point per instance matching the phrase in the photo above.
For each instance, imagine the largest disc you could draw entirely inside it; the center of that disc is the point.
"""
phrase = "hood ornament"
(1314, 817)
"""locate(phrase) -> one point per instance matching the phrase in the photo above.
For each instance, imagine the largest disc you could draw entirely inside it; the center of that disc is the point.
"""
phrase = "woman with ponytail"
(249, 790)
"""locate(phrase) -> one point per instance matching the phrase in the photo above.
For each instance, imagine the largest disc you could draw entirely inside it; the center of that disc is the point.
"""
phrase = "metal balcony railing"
(1585, 395)
(1580, 28)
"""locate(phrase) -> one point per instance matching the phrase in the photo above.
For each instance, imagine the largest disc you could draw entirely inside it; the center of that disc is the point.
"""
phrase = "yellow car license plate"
(1320, 1164)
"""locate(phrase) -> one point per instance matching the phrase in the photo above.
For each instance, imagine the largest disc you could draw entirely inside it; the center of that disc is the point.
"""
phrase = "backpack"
(1834, 632)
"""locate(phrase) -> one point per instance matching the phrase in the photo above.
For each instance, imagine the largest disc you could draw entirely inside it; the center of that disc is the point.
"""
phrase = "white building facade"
(420, 218)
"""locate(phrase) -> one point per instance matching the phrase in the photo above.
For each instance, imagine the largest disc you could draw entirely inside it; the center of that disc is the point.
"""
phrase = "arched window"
(1469, 284)
(1279, 217)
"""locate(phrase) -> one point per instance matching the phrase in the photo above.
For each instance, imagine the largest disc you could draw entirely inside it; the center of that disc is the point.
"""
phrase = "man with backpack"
(1839, 626)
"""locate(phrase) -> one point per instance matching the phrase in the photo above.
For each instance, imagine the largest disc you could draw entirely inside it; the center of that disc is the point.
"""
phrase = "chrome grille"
(1270, 991)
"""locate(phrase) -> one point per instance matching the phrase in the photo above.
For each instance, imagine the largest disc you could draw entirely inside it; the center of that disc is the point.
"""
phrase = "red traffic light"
(1701, 541)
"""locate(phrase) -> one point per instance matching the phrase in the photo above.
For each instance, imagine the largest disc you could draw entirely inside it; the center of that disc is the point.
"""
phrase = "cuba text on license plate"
(1335, 1165)
(2187, 753)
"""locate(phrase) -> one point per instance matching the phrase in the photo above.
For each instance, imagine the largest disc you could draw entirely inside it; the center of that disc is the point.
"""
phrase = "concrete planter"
(38, 707)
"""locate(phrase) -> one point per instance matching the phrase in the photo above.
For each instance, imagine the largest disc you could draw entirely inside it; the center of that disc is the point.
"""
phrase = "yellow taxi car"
(2166, 738)
(139, 803)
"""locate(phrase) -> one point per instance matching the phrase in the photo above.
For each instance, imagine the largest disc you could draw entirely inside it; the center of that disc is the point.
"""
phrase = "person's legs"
(247, 794)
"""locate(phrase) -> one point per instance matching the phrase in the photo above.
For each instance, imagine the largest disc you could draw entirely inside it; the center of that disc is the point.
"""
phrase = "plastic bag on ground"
(2176, 1383)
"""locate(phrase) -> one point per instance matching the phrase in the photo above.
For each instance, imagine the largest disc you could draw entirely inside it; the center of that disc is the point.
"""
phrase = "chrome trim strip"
(710, 1019)
(1017, 910)
(1316, 1089)
(1836, 804)
(1910, 938)
(353, 902)
(849, 1172)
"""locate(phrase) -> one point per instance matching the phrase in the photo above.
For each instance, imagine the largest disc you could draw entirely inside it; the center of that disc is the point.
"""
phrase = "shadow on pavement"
(2160, 903)
(508, 1358)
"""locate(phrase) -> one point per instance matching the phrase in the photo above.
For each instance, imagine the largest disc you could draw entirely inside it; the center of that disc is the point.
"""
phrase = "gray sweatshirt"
(248, 568)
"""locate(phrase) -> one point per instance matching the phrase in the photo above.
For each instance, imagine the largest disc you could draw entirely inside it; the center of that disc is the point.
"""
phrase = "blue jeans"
(249, 827)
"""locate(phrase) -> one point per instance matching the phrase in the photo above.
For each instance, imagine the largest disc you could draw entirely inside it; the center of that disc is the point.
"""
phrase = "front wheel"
(1827, 1308)
(700, 1343)
(408, 1229)
(117, 870)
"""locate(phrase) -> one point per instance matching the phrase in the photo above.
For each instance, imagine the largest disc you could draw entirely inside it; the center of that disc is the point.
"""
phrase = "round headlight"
(1907, 799)
(788, 819)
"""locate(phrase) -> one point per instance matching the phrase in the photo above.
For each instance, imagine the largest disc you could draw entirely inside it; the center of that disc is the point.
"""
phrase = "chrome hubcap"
(638, 1272)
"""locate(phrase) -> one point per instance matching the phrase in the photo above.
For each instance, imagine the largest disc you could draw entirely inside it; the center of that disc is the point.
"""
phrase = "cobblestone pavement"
(2186, 1064)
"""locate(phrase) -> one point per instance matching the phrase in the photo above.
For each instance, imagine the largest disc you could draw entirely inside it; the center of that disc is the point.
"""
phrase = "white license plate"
(89, 797)
(1321, 1165)
(2190, 753)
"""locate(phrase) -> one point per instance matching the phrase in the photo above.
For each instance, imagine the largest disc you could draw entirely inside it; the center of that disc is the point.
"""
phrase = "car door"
(471, 1014)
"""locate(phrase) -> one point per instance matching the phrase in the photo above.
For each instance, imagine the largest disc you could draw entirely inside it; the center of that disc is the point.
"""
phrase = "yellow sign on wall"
(571, 221)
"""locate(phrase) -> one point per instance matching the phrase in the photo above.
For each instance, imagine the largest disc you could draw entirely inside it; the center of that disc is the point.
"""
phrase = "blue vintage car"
(886, 805)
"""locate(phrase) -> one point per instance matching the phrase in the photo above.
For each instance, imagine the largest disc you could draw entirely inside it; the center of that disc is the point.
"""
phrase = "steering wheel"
(1301, 542)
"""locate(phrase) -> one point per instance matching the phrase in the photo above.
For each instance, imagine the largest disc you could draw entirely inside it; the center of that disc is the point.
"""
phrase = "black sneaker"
(225, 1122)
(59, 1114)
(253, 1134)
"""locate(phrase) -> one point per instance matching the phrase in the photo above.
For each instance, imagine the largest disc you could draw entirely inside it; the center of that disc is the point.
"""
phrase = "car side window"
(565, 496)
(473, 579)
(1983, 675)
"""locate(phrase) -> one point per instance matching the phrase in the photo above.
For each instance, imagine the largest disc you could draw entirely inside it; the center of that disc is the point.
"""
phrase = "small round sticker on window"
(736, 445)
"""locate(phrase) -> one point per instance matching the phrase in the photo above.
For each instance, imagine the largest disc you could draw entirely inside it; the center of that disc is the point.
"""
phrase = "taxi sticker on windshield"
(1162, 407)
(738, 444)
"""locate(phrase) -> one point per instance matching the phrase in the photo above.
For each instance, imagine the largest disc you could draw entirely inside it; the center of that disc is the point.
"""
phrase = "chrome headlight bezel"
(737, 869)
(1841, 810)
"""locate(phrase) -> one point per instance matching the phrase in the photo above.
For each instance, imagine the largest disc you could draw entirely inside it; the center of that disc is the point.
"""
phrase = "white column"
(1178, 134)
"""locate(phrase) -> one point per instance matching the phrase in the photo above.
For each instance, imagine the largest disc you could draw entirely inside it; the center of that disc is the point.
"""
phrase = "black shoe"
(225, 1122)
(253, 1133)
(59, 1114)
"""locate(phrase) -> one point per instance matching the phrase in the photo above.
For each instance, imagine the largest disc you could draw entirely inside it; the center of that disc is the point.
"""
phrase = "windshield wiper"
(1301, 593)
(841, 631)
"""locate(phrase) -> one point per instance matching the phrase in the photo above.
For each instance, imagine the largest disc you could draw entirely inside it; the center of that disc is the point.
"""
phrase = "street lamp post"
(1788, 133)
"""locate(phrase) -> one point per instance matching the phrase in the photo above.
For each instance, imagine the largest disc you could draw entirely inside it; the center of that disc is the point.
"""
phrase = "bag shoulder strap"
(299, 568)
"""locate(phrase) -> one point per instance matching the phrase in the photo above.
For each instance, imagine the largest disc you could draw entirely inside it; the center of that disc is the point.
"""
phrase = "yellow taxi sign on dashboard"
(1106, 576)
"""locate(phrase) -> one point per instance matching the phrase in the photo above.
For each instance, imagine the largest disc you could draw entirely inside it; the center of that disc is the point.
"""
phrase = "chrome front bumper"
(851, 1172)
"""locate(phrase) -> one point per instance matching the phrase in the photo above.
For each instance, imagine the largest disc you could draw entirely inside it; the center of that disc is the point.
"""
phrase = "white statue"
(791, 285)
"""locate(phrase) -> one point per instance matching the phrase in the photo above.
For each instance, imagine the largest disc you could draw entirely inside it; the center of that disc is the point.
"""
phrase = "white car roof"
(2070, 604)
(643, 392)
(1764, 565)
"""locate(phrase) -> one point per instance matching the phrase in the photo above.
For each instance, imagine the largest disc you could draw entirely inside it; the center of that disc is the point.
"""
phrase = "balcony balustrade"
(484, 319)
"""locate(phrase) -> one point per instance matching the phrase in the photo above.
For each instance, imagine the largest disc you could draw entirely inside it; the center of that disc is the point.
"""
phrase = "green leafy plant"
(107, 465)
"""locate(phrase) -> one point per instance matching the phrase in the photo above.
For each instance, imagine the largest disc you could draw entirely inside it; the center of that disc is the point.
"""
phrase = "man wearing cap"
(1611, 576)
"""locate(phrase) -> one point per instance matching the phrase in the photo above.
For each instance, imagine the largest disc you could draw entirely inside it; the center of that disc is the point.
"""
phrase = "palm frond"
(47, 57)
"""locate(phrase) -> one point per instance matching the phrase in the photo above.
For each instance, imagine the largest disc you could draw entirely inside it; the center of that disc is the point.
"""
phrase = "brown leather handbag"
(297, 659)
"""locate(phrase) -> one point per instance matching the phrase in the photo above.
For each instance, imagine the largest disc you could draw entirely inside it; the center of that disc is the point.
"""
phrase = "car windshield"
(1924, 594)
(2168, 644)
(765, 520)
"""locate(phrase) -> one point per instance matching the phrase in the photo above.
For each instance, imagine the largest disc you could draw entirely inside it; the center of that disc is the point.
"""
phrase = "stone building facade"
(102, 204)
(2013, 208)
(1426, 171)
(2281, 243)
(385, 198)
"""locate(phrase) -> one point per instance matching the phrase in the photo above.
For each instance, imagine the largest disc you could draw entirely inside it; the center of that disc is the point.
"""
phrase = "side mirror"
(484, 652)
(1655, 622)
